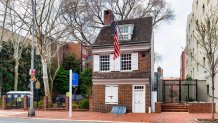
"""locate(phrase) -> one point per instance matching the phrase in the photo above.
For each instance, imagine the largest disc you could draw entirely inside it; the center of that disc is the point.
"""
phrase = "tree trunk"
(45, 79)
(213, 98)
(16, 74)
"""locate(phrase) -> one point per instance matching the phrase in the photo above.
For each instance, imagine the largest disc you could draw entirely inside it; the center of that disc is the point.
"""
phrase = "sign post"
(73, 81)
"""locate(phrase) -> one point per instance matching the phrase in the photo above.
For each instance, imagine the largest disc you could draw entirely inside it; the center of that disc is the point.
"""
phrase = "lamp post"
(31, 111)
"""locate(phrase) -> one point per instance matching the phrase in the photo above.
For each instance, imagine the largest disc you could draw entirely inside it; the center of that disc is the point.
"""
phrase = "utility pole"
(31, 112)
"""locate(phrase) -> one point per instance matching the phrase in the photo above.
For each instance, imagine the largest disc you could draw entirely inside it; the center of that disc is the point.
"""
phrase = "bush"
(40, 103)
(84, 104)
(0, 101)
(75, 105)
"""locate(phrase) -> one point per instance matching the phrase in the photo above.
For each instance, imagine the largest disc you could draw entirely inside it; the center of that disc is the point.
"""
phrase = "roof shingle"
(142, 32)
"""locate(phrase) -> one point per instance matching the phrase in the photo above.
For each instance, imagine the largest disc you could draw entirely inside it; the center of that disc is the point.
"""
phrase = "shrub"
(75, 105)
(84, 104)
(40, 103)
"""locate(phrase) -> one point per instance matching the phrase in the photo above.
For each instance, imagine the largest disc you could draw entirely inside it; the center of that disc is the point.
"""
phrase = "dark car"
(61, 98)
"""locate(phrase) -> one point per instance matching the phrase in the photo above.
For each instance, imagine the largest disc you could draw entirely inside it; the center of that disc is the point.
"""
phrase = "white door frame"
(133, 92)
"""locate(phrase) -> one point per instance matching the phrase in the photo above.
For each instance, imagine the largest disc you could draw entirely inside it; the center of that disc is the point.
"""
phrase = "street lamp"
(31, 111)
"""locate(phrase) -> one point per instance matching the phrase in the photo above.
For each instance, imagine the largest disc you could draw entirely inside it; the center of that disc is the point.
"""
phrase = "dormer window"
(125, 31)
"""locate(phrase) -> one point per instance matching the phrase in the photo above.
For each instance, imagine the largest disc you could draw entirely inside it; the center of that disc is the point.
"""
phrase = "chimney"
(108, 17)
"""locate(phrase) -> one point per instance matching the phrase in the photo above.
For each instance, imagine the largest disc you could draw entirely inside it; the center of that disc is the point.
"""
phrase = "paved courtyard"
(166, 117)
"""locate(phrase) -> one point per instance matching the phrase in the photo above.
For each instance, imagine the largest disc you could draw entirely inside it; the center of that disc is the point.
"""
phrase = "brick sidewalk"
(166, 117)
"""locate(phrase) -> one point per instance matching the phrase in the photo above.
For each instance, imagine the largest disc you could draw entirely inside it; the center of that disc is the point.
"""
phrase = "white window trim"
(117, 94)
(129, 33)
(100, 64)
(121, 63)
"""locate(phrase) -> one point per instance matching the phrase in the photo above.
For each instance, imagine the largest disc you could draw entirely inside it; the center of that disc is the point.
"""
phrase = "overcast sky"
(170, 38)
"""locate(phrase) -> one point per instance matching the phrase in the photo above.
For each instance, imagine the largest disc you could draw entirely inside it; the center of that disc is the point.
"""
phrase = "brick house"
(81, 52)
(126, 80)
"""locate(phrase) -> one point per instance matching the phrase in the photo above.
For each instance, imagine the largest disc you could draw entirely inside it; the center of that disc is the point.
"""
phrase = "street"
(20, 120)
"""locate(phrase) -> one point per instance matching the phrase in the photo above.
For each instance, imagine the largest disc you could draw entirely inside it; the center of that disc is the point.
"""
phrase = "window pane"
(105, 63)
(126, 62)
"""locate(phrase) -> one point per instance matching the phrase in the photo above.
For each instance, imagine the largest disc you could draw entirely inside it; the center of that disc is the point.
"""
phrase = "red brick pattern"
(124, 98)
(200, 107)
(67, 103)
(4, 103)
(45, 102)
(25, 103)
(158, 107)
(147, 97)
(91, 104)
(143, 61)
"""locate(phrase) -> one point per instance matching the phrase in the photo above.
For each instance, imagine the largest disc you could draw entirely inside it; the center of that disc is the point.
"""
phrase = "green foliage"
(85, 82)
(40, 103)
(0, 101)
(75, 105)
(61, 82)
(23, 69)
(7, 68)
(188, 77)
(71, 63)
(84, 104)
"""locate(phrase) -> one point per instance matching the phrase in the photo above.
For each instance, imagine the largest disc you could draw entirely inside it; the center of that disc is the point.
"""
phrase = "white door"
(138, 99)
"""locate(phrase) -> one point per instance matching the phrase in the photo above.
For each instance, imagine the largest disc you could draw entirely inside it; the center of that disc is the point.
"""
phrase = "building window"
(125, 32)
(105, 63)
(111, 94)
(208, 89)
(126, 62)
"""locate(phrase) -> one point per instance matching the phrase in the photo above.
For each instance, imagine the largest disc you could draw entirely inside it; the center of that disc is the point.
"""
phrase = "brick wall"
(143, 61)
(142, 72)
(124, 98)
(200, 107)
(158, 107)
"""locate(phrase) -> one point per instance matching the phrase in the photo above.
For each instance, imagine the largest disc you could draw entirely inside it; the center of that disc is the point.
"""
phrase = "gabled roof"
(142, 32)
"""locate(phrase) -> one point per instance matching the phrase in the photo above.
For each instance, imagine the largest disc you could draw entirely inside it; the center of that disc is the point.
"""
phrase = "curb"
(70, 120)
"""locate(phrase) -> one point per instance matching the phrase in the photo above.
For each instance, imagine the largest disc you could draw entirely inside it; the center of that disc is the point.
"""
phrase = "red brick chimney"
(108, 17)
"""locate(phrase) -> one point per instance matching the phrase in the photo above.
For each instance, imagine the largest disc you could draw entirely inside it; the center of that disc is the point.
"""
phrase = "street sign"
(32, 72)
(68, 94)
(37, 85)
(75, 79)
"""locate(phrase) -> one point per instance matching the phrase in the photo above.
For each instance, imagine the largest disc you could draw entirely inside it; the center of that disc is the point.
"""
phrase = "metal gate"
(179, 91)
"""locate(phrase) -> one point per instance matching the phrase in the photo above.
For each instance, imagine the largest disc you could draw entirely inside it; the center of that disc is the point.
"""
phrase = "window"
(111, 94)
(105, 63)
(126, 62)
(125, 32)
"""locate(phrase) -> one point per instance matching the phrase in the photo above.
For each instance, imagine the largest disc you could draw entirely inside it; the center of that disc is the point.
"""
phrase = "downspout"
(149, 110)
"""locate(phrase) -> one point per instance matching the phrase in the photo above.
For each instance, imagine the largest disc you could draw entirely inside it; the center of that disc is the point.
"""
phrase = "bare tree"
(1, 40)
(207, 37)
(85, 18)
(17, 37)
(49, 32)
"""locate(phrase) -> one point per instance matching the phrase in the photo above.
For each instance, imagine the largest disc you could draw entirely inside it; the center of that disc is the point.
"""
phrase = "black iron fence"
(179, 91)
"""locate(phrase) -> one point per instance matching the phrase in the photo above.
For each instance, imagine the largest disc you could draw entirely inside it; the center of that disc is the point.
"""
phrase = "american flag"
(116, 42)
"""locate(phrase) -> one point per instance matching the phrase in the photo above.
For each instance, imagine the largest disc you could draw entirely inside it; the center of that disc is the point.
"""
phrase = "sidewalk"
(166, 117)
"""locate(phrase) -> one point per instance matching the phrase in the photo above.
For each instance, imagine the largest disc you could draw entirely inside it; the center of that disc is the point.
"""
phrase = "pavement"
(93, 117)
